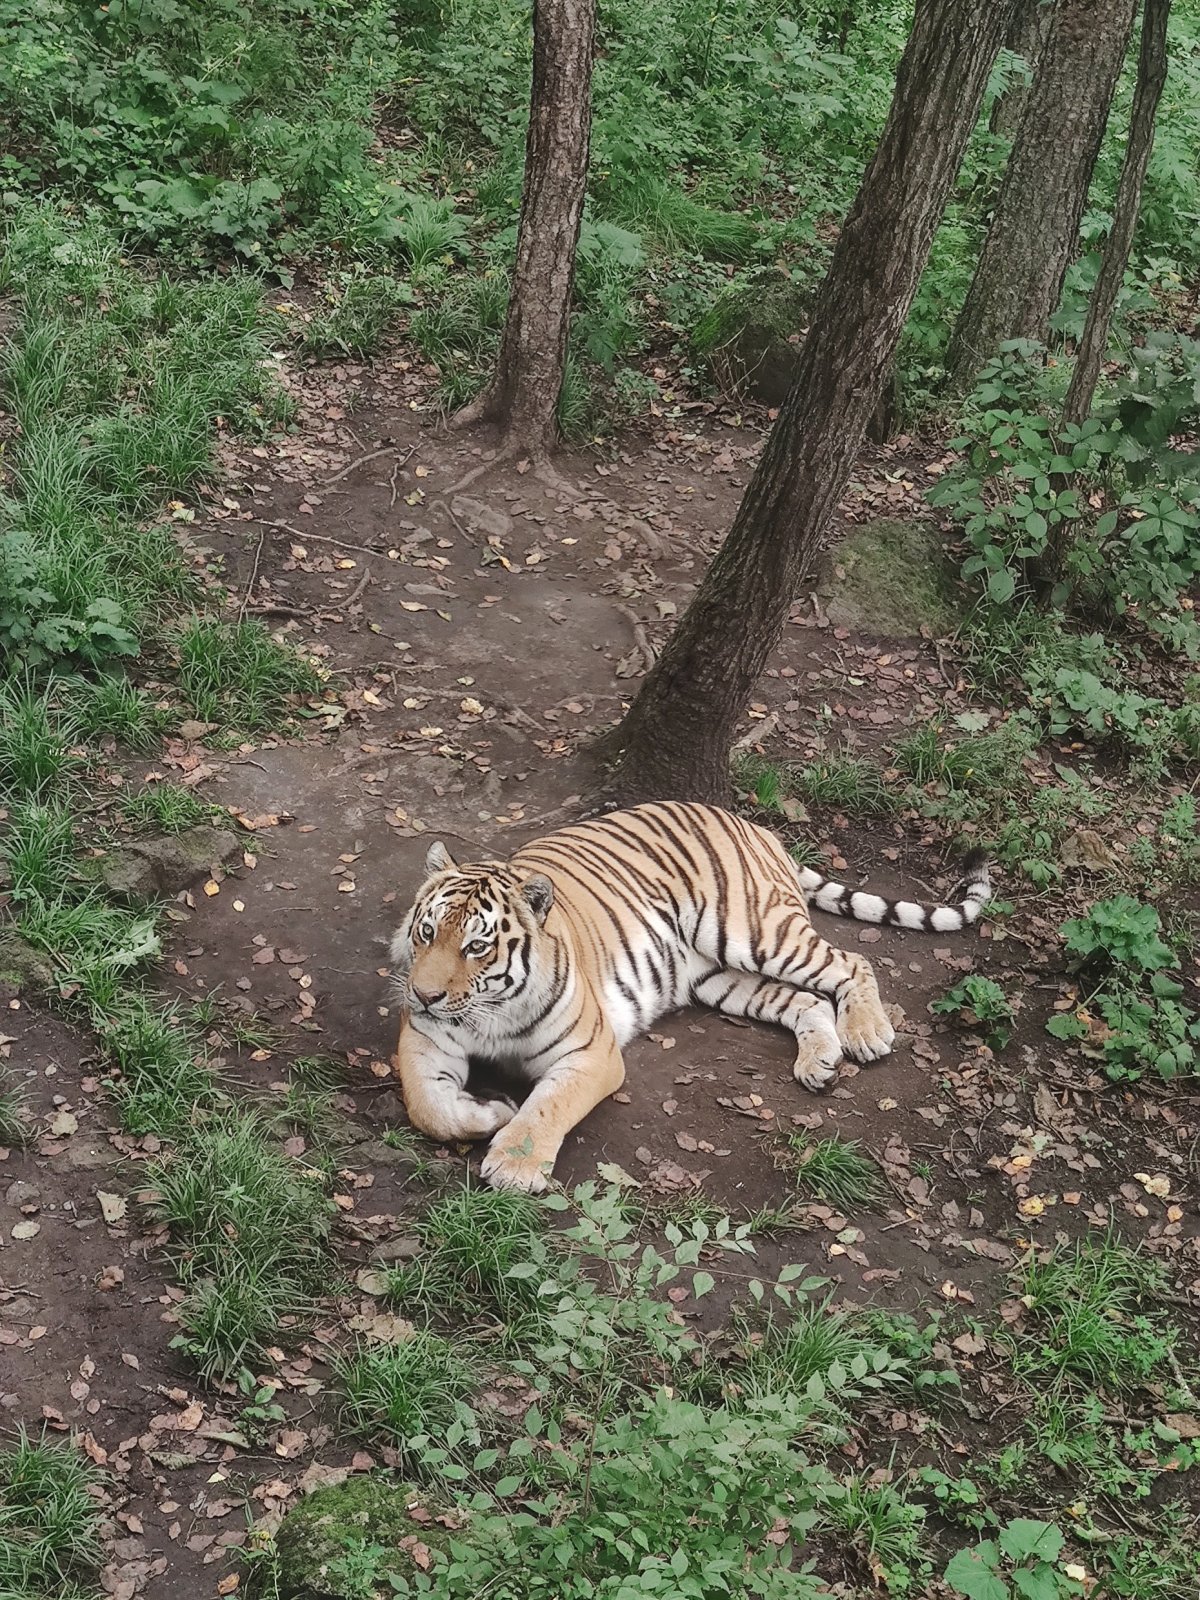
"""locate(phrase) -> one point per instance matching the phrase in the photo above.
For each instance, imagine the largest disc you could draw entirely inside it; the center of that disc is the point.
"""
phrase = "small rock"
(402, 1248)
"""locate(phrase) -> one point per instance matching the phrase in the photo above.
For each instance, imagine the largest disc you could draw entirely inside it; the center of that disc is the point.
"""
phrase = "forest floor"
(473, 644)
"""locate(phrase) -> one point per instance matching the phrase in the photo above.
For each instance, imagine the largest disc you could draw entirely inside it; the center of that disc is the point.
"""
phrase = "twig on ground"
(249, 590)
(320, 538)
(758, 732)
(361, 461)
(641, 642)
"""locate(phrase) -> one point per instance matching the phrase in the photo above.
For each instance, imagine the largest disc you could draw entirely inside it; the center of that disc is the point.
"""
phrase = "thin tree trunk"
(675, 740)
(1151, 80)
(1026, 38)
(1035, 226)
(523, 395)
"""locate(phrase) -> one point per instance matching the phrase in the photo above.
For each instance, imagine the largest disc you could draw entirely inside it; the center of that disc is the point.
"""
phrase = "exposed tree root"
(514, 451)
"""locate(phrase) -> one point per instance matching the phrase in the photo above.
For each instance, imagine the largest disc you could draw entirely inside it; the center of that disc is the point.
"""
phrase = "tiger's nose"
(426, 997)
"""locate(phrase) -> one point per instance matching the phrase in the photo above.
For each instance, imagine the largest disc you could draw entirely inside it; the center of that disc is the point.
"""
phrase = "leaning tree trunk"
(1026, 38)
(523, 395)
(675, 740)
(1035, 226)
(1151, 80)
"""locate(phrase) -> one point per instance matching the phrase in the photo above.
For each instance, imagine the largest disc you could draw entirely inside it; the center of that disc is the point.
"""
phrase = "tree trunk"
(1151, 80)
(1026, 38)
(1035, 225)
(523, 395)
(675, 740)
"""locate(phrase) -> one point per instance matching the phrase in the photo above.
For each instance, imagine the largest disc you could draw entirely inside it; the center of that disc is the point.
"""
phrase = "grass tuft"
(847, 783)
(165, 808)
(837, 1171)
(404, 1390)
(34, 741)
(49, 1520)
(234, 672)
(250, 1227)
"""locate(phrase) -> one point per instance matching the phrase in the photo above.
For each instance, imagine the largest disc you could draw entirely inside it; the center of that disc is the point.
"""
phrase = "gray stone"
(156, 869)
(402, 1248)
(20, 1193)
(27, 969)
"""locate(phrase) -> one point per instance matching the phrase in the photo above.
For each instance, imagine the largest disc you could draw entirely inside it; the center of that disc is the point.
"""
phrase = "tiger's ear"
(539, 896)
(438, 858)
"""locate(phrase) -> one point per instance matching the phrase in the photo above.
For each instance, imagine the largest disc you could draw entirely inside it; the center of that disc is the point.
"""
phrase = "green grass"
(399, 1391)
(165, 808)
(988, 762)
(847, 783)
(249, 1229)
(162, 1079)
(355, 324)
(835, 1170)
(35, 741)
(879, 1523)
(235, 673)
(112, 706)
(49, 1520)
(1092, 1319)
(39, 848)
(15, 1128)
(94, 945)
(471, 1243)
(834, 1356)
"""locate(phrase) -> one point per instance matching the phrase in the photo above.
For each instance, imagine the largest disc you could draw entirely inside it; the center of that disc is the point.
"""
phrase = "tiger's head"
(471, 940)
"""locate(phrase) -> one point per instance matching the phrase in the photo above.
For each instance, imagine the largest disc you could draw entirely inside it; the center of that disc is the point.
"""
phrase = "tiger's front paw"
(865, 1030)
(513, 1163)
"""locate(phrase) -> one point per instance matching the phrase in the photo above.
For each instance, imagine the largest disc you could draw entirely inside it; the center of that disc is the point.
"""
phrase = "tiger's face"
(470, 943)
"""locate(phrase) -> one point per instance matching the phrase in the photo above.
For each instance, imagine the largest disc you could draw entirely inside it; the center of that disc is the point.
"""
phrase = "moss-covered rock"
(346, 1538)
(26, 969)
(153, 869)
(889, 577)
(751, 337)
(751, 341)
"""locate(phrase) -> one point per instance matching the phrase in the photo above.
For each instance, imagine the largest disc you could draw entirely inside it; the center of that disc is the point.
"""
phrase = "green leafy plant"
(1120, 932)
(1021, 1561)
(980, 1003)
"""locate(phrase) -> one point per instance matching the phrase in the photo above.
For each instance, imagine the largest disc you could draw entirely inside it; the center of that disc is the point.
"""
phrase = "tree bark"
(523, 395)
(1035, 225)
(675, 741)
(1026, 38)
(1151, 80)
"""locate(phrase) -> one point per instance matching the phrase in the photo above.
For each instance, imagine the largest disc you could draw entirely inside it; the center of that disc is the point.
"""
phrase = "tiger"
(547, 965)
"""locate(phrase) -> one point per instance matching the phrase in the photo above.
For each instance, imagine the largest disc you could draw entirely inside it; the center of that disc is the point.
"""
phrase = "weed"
(835, 1170)
(984, 762)
(979, 1003)
(235, 672)
(847, 783)
(403, 1391)
(1119, 933)
(165, 808)
(49, 1519)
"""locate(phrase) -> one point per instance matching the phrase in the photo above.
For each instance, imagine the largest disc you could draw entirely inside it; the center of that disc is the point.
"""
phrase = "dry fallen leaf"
(112, 1206)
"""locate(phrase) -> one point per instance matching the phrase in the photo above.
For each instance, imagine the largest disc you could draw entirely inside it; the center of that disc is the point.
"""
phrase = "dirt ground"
(473, 643)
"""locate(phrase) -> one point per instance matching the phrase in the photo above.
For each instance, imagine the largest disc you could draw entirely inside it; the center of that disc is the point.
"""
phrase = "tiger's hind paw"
(816, 1062)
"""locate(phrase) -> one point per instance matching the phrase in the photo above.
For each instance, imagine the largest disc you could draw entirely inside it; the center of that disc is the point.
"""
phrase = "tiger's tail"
(972, 894)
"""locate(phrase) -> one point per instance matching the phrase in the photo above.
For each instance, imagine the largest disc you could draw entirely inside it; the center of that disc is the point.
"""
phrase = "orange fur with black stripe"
(548, 964)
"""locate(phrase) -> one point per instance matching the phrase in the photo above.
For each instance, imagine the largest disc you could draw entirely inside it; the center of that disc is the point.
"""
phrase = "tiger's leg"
(433, 1080)
(810, 1017)
(522, 1155)
(787, 948)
